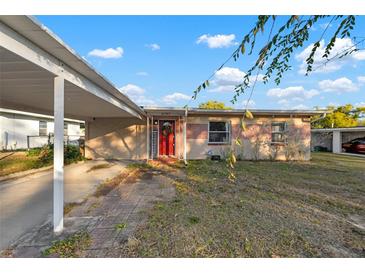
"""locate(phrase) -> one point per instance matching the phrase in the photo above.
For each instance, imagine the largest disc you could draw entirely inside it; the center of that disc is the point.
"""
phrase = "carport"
(39, 73)
(333, 138)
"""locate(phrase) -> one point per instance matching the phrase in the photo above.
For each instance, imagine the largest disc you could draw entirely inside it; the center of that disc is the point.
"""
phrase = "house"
(332, 138)
(22, 130)
(199, 134)
(39, 73)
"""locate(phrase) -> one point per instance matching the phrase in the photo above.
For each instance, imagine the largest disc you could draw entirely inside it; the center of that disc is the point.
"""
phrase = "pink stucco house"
(200, 133)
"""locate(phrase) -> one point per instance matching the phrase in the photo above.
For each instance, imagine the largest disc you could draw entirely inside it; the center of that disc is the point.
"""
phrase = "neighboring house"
(272, 134)
(332, 138)
(21, 130)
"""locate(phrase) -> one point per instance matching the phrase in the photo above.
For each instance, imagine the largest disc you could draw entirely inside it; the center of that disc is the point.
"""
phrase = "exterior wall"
(116, 138)
(325, 139)
(348, 136)
(125, 138)
(14, 129)
(256, 139)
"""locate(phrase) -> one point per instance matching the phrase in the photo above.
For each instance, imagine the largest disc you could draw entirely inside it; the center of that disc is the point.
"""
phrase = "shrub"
(71, 154)
(34, 151)
(46, 154)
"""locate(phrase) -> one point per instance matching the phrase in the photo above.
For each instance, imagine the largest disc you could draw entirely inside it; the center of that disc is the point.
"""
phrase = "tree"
(274, 57)
(343, 116)
(213, 105)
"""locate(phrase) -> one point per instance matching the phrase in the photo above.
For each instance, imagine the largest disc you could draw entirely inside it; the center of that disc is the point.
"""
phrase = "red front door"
(167, 137)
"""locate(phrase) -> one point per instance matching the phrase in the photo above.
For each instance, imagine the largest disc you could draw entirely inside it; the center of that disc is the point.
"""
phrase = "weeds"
(120, 227)
(276, 209)
(69, 247)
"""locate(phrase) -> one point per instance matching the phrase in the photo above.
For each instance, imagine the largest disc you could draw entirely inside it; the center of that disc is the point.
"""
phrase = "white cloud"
(359, 55)
(153, 46)
(319, 66)
(333, 104)
(296, 93)
(360, 104)
(325, 25)
(107, 53)
(226, 79)
(361, 79)
(339, 85)
(283, 102)
(174, 97)
(289, 96)
(132, 90)
(136, 93)
(229, 76)
(142, 73)
(250, 104)
(300, 106)
(217, 41)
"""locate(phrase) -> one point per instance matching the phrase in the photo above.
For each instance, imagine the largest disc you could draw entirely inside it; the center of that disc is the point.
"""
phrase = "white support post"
(184, 133)
(152, 144)
(336, 142)
(59, 85)
(148, 138)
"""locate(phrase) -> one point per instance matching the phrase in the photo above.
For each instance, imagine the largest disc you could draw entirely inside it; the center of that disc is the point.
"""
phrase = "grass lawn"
(11, 162)
(275, 209)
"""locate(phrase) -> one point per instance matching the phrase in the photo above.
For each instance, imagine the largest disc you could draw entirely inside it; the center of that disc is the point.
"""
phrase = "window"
(65, 129)
(278, 130)
(42, 128)
(218, 132)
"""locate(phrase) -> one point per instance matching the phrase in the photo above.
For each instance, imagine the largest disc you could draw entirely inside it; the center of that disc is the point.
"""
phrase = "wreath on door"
(166, 129)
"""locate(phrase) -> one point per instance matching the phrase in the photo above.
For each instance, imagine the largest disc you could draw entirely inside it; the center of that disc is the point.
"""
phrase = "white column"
(336, 142)
(148, 138)
(184, 133)
(58, 154)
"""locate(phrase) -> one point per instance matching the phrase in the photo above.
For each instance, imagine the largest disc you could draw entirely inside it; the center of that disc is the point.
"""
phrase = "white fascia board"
(36, 115)
(14, 42)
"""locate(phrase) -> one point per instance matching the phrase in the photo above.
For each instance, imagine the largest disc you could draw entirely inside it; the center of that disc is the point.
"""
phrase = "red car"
(355, 146)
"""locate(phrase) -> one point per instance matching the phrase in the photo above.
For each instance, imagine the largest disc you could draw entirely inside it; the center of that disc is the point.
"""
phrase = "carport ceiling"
(25, 86)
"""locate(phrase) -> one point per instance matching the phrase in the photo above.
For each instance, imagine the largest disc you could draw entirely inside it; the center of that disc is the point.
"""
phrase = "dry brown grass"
(11, 162)
(275, 209)
(129, 175)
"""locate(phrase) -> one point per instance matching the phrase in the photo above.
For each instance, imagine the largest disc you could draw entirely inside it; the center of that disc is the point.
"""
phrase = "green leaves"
(274, 57)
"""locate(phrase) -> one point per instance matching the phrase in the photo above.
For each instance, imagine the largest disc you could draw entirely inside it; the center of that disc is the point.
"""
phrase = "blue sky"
(159, 60)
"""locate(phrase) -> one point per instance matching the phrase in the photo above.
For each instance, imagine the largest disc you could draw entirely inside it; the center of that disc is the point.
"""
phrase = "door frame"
(158, 143)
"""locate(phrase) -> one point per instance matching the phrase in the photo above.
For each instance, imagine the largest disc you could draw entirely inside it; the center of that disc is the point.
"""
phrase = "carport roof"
(39, 35)
(341, 129)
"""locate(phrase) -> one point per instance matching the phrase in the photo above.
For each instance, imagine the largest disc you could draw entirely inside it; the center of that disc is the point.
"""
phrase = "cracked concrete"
(126, 204)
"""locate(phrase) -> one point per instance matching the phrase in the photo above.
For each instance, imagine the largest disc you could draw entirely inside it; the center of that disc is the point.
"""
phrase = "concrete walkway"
(27, 202)
(127, 205)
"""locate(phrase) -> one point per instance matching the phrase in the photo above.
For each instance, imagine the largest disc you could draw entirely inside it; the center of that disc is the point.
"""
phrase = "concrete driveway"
(27, 202)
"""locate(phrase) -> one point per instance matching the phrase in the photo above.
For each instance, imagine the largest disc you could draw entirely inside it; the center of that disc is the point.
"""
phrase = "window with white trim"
(218, 132)
(278, 132)
(65, 129)
(42, 128)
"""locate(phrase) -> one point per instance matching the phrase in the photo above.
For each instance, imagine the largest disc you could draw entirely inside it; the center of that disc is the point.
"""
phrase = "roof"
(342, 129)
(36, 115)
(39, 34)
(177, 111)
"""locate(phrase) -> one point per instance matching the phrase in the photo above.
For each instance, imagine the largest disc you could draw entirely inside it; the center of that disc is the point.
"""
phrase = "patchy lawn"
(275, 209)
(11, 162)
